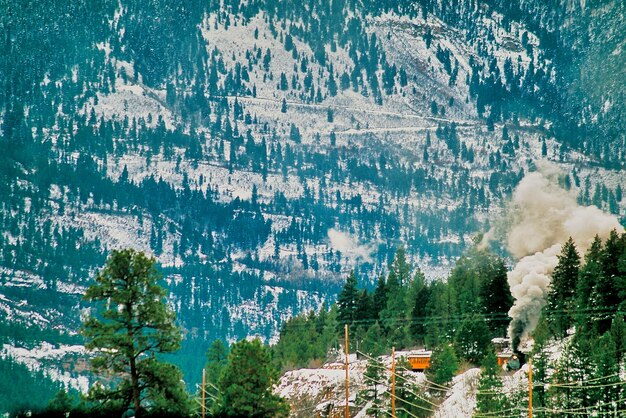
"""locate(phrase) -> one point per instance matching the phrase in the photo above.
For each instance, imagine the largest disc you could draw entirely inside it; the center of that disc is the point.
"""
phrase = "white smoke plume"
(543, 217)
(348, 245)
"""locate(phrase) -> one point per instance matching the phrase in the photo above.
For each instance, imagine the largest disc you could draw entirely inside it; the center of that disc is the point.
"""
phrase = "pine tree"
(563, 289)
(246, 384)
(541, 373)
(130, 325)
(606, 370)
(347, 302)
(587, 292)
(217, 359)
(472, 339)
(393, 316)
(409, 401)
(443, 364)
(374, 342)
(575, 366)
(618, 332)
(420, 309)
(373, 378)
(379, 298)
(496, 296)
(490, 397)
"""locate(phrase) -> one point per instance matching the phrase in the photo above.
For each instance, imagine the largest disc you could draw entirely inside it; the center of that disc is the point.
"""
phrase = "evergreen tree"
(373, 378)
(347, 302)
(443, 364)
(575, 366)
(374, 342)
(563, 289)
(472, 339)
(246, 384)
(618, 332)
(217, 359)
(496, 295)
(379, 298)
(606, 370)
(541, 374)
(490, 398)
(130, 325)
(409, 401)
(420, 309)
(605, 294)
(393, 317)
(587, 297)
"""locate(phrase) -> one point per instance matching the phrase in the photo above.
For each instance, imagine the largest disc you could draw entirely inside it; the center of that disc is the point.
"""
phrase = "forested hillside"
(261, 150)
(577, 348)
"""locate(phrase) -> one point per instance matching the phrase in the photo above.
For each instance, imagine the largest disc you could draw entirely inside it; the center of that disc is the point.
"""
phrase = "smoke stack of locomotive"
(542, 218)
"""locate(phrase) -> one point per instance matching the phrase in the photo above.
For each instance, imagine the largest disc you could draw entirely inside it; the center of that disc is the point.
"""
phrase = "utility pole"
(347, 411)
(203, 391)
(393, 382)
(530, 387)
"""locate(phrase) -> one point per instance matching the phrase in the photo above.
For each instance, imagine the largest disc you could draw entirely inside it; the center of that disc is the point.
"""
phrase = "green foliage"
(373, 379)
(306, 339)
(587, 296)
(473, 339)
(490, 397)
(561, 297)
(129, 325)
(246, 384)
(217, 357)
(411, 400)
(347, 302)
(396, 313)
(575, 365)
(443, 364)
(18, 379)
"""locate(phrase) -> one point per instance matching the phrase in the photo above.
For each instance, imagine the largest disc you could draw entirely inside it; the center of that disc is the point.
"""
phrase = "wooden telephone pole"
(203, 392)
(393, 382)
(530, 387)
(347, 411)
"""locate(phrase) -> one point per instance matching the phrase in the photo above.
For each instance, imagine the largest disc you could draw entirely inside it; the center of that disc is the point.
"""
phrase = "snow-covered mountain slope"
(261, 154)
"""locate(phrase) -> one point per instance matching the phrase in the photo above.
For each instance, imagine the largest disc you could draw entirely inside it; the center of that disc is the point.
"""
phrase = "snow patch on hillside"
(46, 357)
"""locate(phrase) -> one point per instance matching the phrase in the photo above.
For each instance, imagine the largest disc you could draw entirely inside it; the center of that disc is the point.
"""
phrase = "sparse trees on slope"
(129, 325)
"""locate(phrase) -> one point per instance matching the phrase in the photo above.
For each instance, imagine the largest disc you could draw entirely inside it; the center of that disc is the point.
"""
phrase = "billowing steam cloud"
(544, 216)
(348, 245)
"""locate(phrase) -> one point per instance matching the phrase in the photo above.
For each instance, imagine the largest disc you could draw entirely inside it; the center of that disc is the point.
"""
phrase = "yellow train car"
(419, 360)
(503, 358)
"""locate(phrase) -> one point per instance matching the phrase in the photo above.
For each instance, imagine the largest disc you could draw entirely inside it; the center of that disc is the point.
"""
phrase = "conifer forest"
(318, 208)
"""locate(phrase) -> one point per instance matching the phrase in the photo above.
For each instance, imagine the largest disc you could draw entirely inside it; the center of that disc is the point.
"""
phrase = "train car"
(419, 360)
(507, 358)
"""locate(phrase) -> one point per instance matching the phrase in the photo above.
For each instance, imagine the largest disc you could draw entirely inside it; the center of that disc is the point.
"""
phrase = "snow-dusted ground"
(317, 388)
(47, 358)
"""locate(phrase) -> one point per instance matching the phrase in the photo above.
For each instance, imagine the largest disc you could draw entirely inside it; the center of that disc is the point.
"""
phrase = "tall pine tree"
(561, 301)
